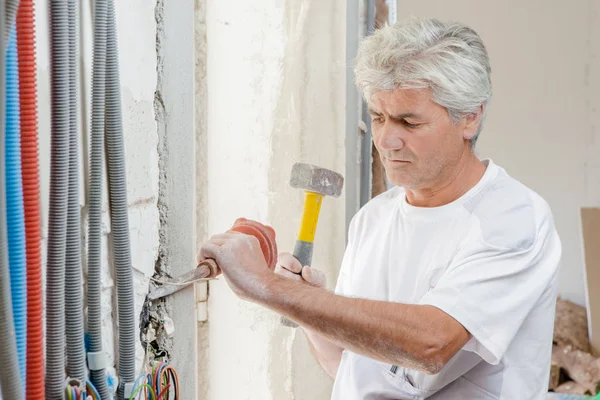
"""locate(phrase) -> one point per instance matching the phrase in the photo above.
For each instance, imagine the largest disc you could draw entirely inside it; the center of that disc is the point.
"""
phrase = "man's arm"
(413, 336)
(328, 354)
(419, 337)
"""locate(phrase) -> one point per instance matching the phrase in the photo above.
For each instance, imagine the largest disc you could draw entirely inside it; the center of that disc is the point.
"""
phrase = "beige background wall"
(275, 87)
(542, 121)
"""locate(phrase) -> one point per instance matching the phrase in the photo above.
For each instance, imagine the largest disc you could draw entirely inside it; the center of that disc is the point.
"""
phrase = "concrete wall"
(174, 111)
(542, 121)
(275, 74)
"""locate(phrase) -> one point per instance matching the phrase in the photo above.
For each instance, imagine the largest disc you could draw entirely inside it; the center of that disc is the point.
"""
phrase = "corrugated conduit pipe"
(118, 212)
(10, 15)
(57, 218)
(31, 194)
(14, 203)
(73, 276)
(10, 382)
(96, 356)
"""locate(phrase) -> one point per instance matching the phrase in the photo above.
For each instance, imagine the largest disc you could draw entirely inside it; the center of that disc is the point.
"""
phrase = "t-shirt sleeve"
(491, 290)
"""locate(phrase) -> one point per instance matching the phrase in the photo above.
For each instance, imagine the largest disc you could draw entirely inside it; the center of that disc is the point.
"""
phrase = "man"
(447, 287)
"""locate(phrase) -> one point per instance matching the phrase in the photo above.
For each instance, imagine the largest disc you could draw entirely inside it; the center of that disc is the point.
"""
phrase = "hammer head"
(316, 179)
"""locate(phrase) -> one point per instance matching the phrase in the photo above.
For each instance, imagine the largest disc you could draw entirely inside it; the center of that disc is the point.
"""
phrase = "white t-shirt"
(488, 259)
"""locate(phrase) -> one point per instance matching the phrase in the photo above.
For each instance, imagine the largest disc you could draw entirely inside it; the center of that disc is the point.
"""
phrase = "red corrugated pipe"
(31, 195)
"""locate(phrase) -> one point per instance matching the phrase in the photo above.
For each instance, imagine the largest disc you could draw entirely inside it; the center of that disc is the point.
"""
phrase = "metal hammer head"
(316, 179)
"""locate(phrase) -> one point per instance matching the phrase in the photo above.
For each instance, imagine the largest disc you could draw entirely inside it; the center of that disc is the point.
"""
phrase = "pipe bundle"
(21, 303)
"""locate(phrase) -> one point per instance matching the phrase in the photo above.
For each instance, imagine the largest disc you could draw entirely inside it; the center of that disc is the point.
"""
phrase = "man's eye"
(377, 120)
(409, 125)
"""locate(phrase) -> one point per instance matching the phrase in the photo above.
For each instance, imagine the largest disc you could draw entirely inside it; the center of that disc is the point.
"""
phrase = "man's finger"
(220, 237)
(281, 271)
(210, 249)
(289, 262)
(313, 276)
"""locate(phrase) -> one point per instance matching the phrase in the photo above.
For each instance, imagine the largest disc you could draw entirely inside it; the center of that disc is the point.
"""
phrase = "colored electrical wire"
(158, 383)
(93, 391)
(165, 391)
(139, 388)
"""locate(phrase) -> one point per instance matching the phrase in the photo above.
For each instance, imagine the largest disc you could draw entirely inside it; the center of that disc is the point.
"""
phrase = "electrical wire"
(160, 381)
(139, 388)
(92, 389)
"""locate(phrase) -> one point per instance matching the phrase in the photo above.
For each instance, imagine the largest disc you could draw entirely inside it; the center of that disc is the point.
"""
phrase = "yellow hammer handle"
(310, 216)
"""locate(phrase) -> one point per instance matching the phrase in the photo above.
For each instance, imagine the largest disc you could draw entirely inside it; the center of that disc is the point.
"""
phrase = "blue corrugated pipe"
(15, 218)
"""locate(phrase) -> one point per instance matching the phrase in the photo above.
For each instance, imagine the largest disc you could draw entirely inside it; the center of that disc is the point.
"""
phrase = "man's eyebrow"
(373, 112)
(399, 117)
(408, 115)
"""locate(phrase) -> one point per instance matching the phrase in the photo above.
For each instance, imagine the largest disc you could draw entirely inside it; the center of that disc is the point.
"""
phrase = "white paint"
(276, 90)
(541, 120)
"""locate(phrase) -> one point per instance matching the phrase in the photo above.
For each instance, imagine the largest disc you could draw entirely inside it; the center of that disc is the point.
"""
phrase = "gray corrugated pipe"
(57, 215)
(73, 277)
(10, 378)
(117, 187)
(94, 287)
(10, 17)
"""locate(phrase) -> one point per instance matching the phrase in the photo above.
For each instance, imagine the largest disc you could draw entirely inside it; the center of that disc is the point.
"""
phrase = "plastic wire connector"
(97, 360)
(128, 389)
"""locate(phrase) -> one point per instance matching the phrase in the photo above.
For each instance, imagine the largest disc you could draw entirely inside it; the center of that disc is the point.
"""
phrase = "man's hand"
(242, 262)
(289, 267)
(327, 353)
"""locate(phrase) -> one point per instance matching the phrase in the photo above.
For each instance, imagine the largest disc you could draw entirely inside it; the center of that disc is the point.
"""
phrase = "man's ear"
(472, 123)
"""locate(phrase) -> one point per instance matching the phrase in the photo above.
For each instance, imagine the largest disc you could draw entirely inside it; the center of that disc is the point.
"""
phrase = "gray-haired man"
(447, 287)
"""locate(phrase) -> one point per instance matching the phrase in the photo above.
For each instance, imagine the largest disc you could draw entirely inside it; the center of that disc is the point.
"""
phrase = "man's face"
(417, 140)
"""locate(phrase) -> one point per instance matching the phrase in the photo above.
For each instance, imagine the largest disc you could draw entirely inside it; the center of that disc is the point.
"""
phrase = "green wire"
(69, 394)
(139, 388)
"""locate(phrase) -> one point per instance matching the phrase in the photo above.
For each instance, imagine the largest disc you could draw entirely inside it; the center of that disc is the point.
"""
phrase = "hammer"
(317, 183)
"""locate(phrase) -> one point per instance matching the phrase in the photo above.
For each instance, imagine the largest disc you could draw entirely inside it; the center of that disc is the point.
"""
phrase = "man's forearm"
(327, 353)
(406, 335)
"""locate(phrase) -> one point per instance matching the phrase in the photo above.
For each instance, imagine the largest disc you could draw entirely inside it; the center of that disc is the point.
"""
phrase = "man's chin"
(399, 180)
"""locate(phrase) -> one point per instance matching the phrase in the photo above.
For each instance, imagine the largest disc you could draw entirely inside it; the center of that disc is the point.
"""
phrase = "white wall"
(276, 92)
(541, 122)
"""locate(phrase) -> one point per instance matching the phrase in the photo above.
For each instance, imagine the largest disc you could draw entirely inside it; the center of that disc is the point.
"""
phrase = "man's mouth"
(397, 161)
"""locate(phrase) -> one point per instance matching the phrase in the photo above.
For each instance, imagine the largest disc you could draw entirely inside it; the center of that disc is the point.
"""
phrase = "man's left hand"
(242, 262)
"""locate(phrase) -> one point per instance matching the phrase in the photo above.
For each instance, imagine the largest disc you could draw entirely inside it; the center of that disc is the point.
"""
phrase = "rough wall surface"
(542, 125)
(276, 95)
(174, 109)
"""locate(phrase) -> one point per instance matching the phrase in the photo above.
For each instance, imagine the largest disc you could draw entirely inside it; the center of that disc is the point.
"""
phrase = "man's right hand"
(289, 267)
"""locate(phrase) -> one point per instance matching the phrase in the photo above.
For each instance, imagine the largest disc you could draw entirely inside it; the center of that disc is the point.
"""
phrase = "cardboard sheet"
(590, 224)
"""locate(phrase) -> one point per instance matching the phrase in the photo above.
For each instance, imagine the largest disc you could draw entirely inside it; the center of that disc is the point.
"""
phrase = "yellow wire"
(139, 388)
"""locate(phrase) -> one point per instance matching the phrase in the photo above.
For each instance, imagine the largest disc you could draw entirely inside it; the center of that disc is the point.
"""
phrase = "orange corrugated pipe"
(31, 196)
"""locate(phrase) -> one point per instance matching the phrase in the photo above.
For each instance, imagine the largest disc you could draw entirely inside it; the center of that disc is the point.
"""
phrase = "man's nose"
(389, 137)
